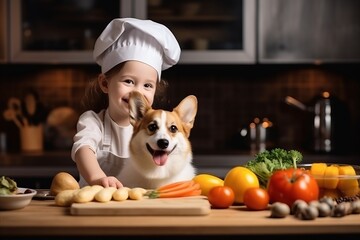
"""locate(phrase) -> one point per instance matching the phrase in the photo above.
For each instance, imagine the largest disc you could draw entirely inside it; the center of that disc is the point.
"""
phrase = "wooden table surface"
(44, 218)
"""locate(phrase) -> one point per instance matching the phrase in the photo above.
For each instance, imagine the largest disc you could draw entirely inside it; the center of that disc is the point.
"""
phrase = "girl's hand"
(108, 182)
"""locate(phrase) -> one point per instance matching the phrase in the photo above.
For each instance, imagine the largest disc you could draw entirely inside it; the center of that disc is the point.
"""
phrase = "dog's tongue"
(160, 158)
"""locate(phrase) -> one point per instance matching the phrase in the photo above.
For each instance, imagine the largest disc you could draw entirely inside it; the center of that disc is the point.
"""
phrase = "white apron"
(112, 153)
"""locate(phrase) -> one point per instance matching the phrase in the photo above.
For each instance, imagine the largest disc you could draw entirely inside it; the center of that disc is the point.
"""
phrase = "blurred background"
(267, 73)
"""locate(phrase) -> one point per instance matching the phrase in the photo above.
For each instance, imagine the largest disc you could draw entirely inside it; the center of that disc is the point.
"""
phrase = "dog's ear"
(187, 110)
(138, 107)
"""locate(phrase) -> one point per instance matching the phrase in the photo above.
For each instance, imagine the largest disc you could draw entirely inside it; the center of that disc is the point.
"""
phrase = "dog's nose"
(163, 143)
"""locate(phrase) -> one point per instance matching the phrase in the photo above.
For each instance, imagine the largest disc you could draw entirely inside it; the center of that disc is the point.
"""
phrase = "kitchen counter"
(36, 164)
(47, 164)
(43, 219)
(36, 170)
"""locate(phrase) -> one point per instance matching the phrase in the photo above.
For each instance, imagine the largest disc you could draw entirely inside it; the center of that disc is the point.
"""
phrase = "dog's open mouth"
(159, 156)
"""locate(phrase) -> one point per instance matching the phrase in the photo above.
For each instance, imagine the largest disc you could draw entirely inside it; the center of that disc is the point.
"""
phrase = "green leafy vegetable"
(268, 161)
(7, 186)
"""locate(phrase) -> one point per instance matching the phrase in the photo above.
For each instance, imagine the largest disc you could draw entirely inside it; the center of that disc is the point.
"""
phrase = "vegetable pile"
(267, 162)
(97, 193)
(102, 194)
(324, 207)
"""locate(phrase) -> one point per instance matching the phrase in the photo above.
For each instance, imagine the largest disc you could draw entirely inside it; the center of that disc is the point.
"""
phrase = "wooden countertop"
(43, 218)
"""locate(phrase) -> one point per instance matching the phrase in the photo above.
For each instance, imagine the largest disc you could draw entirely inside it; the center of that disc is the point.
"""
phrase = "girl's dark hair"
(95, 99)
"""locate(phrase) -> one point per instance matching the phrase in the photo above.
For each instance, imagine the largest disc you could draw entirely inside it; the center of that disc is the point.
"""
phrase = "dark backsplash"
(229, 96)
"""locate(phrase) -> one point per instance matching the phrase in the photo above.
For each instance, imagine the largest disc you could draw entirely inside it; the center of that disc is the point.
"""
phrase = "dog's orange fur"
(160, 150)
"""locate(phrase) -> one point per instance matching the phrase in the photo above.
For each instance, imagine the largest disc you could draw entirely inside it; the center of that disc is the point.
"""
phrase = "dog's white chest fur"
(160, 151)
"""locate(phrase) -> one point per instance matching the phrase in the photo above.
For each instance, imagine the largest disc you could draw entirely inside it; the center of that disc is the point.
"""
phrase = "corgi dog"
(160, 149)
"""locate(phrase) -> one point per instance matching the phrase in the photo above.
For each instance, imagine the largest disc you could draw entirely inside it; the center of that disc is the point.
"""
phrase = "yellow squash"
(318, 171)
(207, 182)
(331, 179)
(348, 187)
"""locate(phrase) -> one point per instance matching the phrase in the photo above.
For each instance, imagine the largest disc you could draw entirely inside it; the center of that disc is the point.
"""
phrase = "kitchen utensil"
(292, 101)
(32, 138)
(256, 136)
(145, 207)
(32, 108)
(30, 101)
(329, 125)
(260, 135)
(43, 194)
(14, 112)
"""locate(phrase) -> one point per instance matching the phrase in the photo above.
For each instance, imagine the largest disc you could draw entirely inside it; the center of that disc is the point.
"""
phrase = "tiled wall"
(229, 97)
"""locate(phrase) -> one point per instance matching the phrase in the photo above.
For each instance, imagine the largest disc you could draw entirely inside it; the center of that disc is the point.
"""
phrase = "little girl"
(132, 54)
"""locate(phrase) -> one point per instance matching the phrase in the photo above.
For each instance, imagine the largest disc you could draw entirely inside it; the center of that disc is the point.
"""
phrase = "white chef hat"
(133, 39)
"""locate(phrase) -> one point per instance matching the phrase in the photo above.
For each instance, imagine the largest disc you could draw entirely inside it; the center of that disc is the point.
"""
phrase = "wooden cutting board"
(144, 207)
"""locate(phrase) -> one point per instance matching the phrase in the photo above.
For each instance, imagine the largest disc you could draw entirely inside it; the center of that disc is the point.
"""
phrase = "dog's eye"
(173, 129)
(152, 127)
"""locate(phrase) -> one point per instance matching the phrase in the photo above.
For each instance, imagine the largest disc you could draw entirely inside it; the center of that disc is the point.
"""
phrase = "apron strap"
(107, 132)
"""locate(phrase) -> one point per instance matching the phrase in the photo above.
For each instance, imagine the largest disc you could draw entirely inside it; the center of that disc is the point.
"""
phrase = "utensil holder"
(32, 138)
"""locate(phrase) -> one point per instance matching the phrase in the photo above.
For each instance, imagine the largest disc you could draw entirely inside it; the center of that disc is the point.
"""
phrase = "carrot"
(172, 185)
(185, 191)
(196, 192)
(182, 193)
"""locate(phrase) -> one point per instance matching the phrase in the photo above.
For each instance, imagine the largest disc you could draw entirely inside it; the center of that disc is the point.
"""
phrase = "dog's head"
(160, 134)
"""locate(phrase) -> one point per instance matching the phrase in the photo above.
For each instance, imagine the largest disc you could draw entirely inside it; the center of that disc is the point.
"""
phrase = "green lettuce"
(7, 186)
(268, 161)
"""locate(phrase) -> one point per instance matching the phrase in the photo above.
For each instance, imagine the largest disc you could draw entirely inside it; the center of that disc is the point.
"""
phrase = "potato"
(63, 181)
(65, 198)
(121, 194)
(87, 193)
(137, 193)
(105, 194)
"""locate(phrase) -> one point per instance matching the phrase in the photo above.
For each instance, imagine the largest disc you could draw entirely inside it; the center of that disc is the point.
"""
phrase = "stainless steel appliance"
(330, 122)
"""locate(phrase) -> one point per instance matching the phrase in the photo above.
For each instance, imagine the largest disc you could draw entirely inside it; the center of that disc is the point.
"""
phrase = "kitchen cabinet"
(3, 29)
(307, 31)
(49, 31)
(210, 31)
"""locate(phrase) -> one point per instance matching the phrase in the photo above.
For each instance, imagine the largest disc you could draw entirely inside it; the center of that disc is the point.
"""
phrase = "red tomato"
(256, 198)
(288, 185)
(221, 197)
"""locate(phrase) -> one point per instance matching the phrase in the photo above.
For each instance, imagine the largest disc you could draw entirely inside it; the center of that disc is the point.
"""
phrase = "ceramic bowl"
(18, 200)
(339, 181)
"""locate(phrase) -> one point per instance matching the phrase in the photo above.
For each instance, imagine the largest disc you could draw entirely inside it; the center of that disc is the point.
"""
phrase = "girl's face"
(133, 76)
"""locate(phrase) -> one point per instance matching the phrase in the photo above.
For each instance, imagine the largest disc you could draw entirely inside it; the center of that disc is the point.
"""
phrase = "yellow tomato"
(240, 179)
(207, 182)
(348, 186)
(318, 171)
(331, 179)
